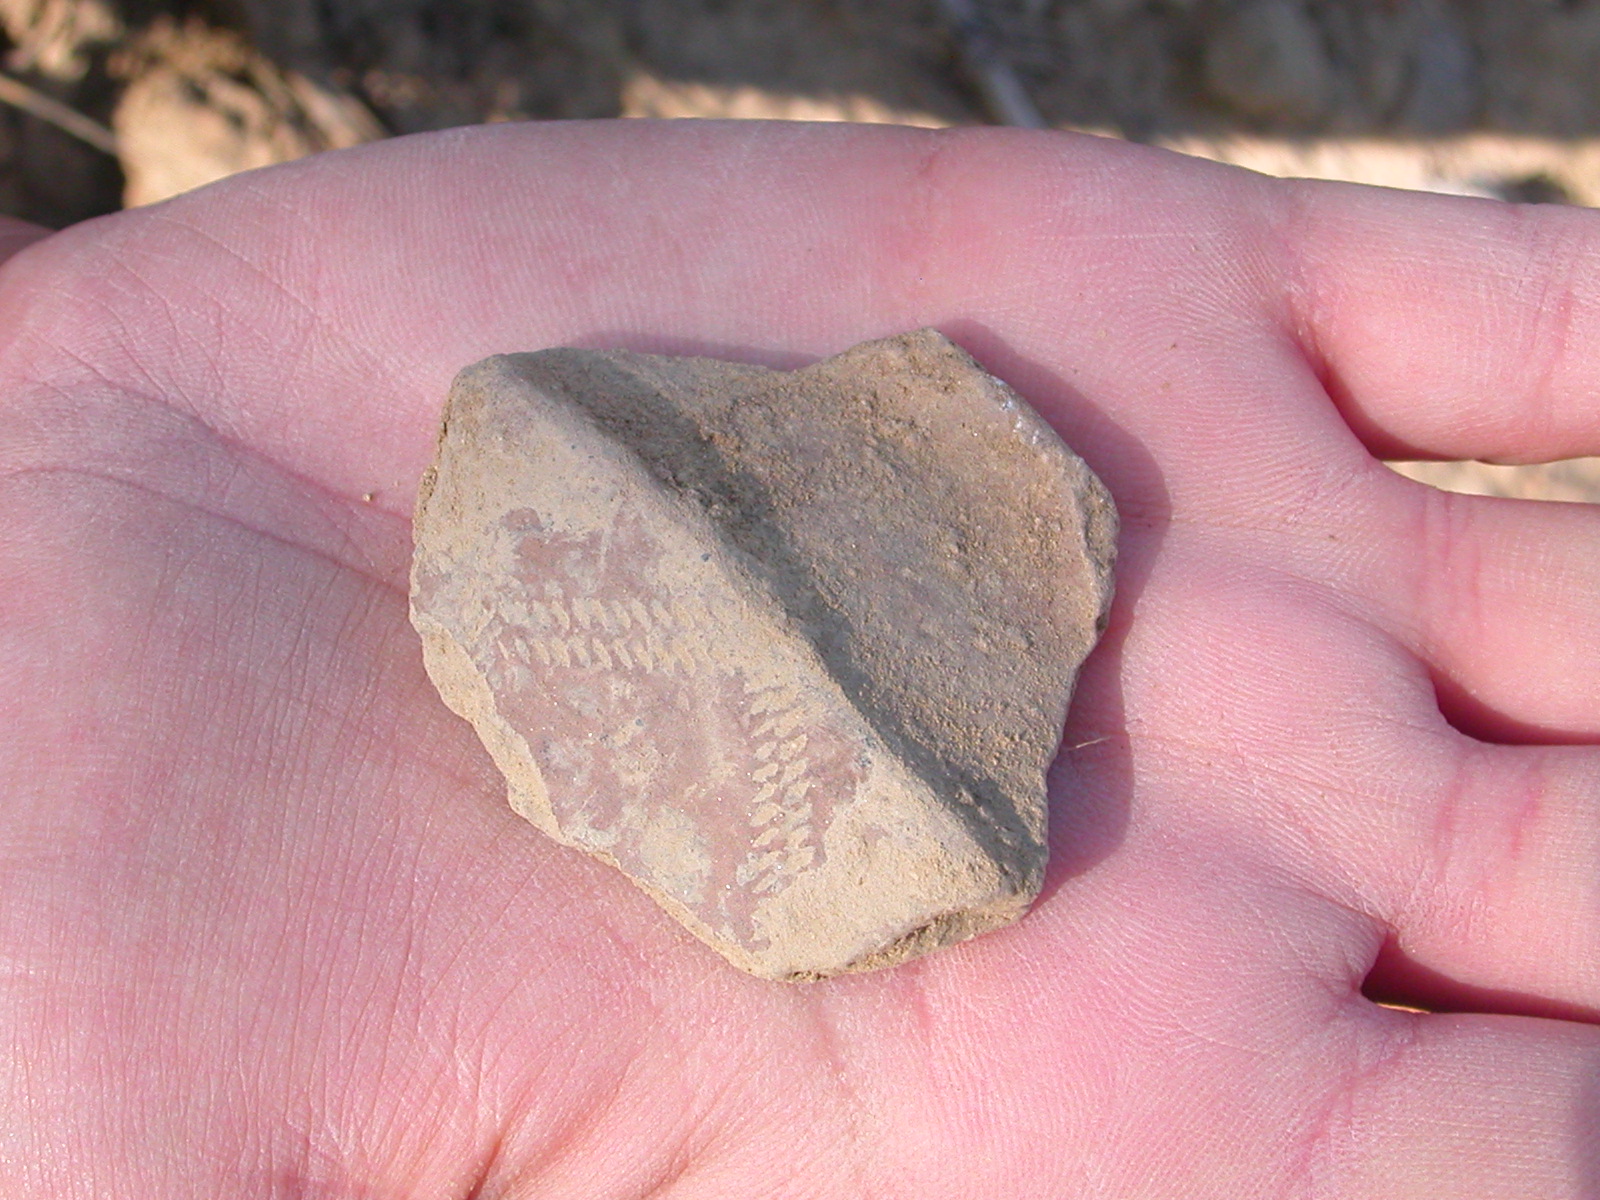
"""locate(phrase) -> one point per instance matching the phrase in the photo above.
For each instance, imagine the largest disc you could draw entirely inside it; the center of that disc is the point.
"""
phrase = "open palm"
(268, 929)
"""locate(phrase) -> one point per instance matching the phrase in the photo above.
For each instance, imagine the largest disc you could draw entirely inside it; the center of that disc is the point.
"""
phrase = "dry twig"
(69, 120)
(1007, 100)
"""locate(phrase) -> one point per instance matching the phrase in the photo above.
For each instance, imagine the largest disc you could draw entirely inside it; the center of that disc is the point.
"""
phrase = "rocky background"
(112, 102)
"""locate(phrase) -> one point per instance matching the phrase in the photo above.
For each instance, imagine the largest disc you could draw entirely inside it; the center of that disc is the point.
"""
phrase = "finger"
(1468, 1106)
(1497, 596)
(1221, 993)
(331, 351)
(1493, 894)
(1478, 857)
(1451, 327)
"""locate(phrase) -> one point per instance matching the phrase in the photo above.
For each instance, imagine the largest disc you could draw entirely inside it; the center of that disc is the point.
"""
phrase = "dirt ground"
(1489, 97)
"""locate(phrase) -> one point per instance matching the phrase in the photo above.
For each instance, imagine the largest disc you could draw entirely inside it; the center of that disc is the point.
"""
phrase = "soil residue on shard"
(792, 650)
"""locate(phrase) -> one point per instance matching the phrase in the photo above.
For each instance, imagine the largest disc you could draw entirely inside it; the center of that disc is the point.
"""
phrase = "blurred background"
(106, 103)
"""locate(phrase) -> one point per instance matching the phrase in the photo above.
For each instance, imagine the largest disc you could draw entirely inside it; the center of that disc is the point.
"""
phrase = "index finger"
(1451, 327)
(316, 312)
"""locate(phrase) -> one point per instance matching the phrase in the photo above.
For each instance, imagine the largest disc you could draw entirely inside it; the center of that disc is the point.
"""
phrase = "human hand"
(267, 927)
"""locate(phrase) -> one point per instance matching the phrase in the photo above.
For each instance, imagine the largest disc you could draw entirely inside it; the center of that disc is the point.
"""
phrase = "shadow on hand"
(1091, 780)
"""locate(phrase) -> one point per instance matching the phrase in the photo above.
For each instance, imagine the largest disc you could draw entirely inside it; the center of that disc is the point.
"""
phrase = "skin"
(267, 928)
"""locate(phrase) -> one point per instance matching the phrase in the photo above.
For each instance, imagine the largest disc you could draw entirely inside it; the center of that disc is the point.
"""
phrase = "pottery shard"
(792, 650)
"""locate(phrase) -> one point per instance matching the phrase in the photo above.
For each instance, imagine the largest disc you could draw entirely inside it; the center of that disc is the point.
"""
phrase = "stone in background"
(201, 104)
